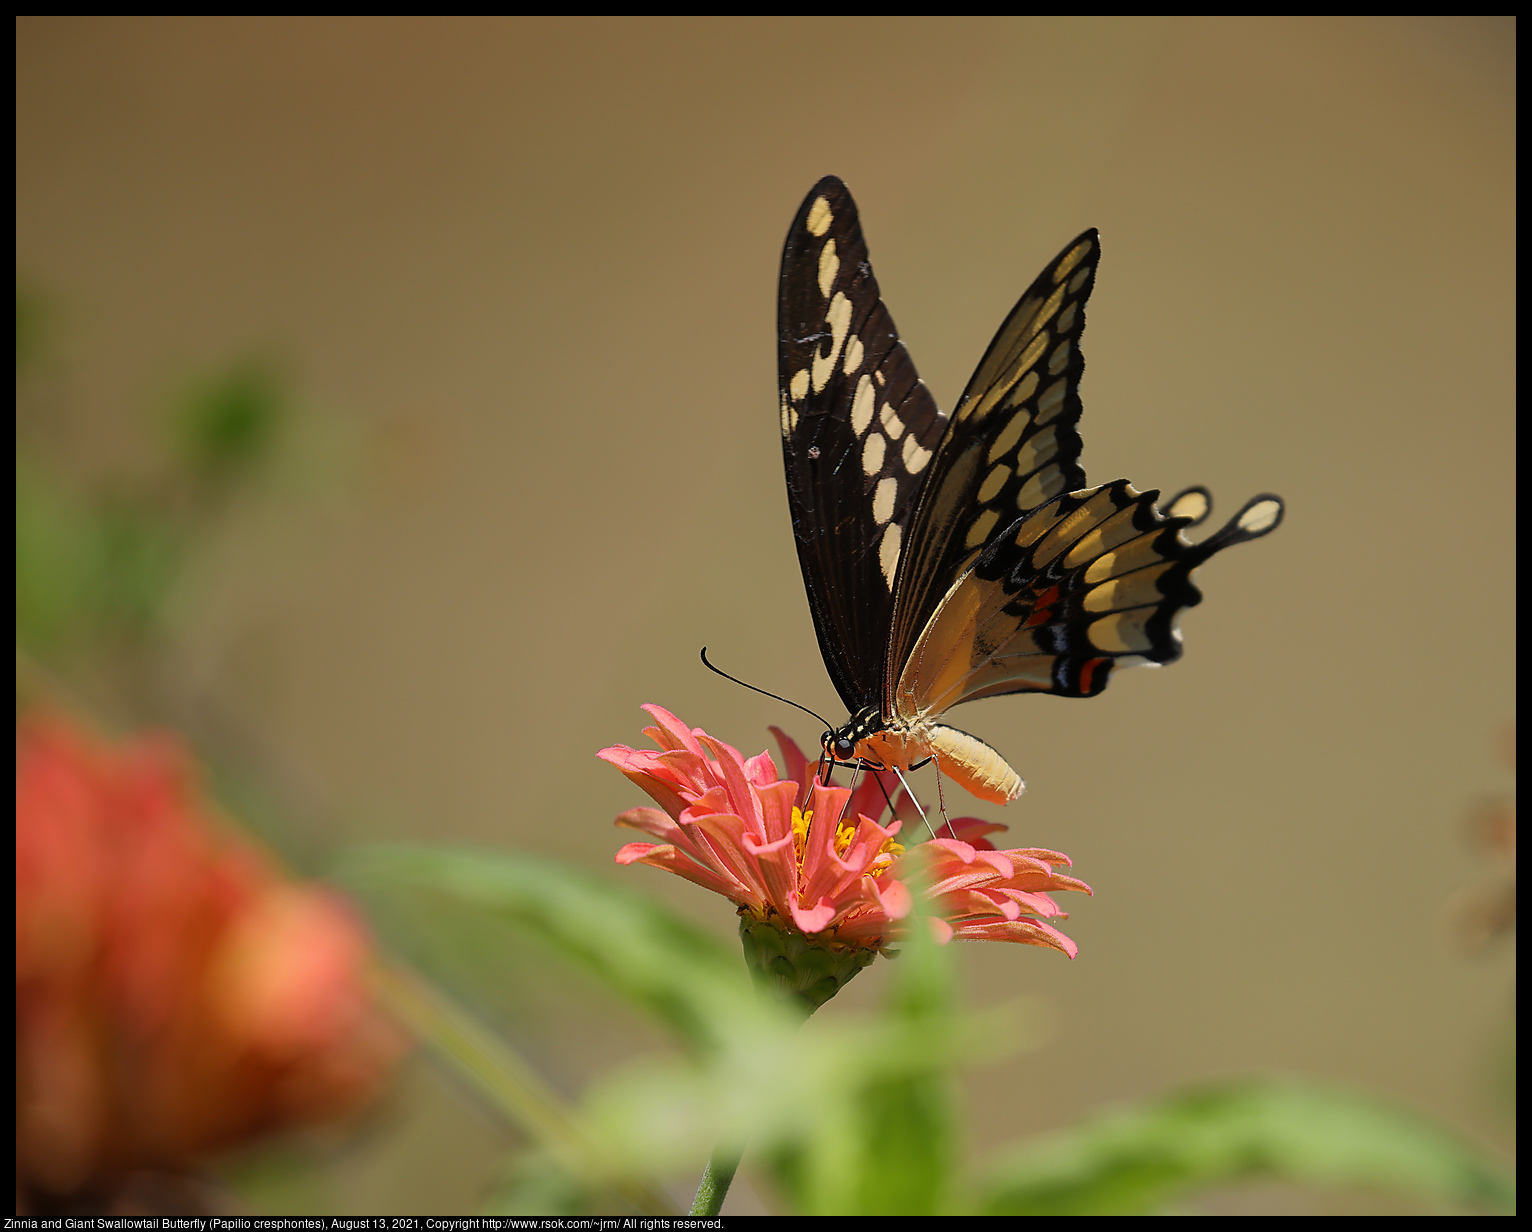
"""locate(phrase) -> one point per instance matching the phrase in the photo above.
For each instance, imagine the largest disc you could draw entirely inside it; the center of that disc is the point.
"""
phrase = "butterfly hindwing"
(1091, 581)
(858, 432)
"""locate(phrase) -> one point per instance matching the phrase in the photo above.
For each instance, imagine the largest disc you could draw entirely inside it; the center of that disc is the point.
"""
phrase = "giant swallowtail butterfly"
(953, 557)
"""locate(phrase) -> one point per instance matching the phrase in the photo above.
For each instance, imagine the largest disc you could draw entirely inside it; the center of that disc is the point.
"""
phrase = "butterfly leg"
(925, 821)
(941, 801)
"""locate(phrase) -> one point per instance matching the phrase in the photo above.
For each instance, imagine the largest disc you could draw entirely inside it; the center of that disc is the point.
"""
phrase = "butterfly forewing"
(1011, 446)
(858, 432)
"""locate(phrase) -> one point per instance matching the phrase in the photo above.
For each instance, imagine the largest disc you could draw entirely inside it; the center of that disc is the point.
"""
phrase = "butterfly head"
(841, 744)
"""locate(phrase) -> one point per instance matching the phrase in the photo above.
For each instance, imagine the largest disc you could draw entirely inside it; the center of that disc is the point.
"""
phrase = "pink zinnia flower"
(801, 856)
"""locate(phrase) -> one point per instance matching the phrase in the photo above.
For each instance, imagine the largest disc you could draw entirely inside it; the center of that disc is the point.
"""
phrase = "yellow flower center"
(844, 833)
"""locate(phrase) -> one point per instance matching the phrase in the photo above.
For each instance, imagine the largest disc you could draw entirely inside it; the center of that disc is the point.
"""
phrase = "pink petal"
(650, 821)
(668, 858)
(742, 797)
(760, 770)
(796, 764)
(679, 736)
(1026, 932)
(894, 898)
(814, 920)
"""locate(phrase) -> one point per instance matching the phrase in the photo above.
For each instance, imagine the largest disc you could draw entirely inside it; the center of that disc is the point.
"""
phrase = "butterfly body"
(948, 558)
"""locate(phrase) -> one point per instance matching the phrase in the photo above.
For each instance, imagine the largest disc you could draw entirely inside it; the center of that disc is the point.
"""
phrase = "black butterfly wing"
(1011, 446)
(858, 433)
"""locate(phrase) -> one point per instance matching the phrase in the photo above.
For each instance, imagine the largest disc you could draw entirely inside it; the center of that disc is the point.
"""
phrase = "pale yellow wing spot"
(1039, 449)
(993, 482)
(1123, 631)
(1038, 525)
(883, 500)
(915, 456)
(863, 405)
(1135, 590)
(1008, 437)
(1132, 556)
(829, 266)
(1040, 489)
(1194, 505)
(838, 318)
(1062, 536)
(979, 531)
(1034, 351)
(820, 217)
(1117, 529)
(1260, 517)
(1052, 401)
(1023, 381)
(1050, 309)
(888, 553)
(1076, 255)
(889, 419)
(873, 449)
(1059, 360)
(854, 353)
(798, 387)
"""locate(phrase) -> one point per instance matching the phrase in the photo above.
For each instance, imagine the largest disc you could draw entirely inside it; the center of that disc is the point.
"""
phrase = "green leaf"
(1135, 1161)
(646, 954)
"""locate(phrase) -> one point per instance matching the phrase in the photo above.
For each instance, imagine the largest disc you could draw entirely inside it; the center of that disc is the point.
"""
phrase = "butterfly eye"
(844, 750)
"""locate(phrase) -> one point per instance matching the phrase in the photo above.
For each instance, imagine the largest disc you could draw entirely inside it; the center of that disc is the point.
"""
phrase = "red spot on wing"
(1042, 608)
(1088, 673)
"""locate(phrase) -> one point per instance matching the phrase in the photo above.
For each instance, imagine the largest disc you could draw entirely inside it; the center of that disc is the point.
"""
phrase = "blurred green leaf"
(85, 571)
(228, 423)
(645, 953)
(55, 547)
(885, 1147)
(1135, 1161)
(853, 1117)
(33, 329)
(849, 1115)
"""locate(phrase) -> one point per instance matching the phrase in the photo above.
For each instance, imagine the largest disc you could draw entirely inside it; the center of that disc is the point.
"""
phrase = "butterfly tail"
(1259, 516)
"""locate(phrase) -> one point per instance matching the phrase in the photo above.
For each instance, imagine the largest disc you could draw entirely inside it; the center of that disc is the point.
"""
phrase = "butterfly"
(953, 557)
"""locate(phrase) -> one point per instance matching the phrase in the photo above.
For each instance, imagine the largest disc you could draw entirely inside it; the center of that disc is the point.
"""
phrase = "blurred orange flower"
(174, 993)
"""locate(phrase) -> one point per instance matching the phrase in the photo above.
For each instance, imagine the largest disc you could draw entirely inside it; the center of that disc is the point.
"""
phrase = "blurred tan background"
(523, 273)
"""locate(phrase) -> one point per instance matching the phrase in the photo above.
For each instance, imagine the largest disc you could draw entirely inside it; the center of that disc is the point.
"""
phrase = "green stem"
(716, 1179)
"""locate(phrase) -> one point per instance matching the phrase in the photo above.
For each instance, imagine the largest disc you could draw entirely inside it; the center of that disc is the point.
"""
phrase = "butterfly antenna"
(763, 692)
